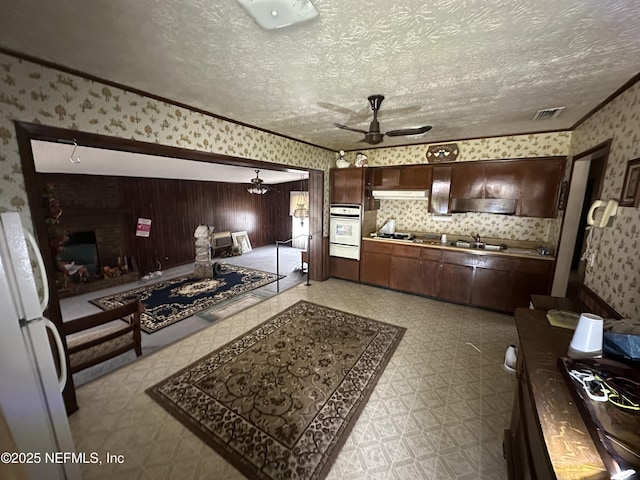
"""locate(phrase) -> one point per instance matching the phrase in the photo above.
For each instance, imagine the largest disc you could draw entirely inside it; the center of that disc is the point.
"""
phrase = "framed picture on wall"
(241, 239)
(631, 187)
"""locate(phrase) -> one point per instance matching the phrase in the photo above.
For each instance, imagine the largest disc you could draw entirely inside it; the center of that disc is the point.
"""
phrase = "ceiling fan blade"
(409, 131)
(344, 127)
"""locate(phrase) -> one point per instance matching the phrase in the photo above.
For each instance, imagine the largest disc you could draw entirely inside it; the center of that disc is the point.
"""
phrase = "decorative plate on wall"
(447, 152)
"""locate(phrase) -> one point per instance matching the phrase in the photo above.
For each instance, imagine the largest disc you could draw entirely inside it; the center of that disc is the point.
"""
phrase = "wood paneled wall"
(175, 208)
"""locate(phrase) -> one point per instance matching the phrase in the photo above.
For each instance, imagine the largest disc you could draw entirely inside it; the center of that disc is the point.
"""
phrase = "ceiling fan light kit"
(374, 136)
(273, 14)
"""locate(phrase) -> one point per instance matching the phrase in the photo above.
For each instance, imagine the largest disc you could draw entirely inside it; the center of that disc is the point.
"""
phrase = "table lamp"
(587, 339)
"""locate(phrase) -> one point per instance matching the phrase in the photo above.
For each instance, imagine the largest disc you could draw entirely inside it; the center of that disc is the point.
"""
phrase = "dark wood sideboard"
(547, 438)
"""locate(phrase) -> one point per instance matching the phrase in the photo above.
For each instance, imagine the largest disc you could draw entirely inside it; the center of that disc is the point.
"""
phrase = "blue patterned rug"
(175, 299)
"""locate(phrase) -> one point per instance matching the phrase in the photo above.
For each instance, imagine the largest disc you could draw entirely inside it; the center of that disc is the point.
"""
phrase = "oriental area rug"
(279, 401)
(175, 299)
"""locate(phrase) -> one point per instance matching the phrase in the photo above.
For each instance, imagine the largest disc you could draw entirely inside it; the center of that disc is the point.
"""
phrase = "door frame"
(25, 132)
(573, 214)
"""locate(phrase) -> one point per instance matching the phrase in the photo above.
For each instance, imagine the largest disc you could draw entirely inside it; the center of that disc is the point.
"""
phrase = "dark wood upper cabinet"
(524, 187)
(415, 176)
(504, 180)
(405, 177)
(347, 185)
(386, 177)
(541, 184)
(440, 189)
(468, 180)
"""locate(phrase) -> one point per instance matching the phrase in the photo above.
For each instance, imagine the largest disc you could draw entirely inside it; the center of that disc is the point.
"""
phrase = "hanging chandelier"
(257, 187)
(302, 204)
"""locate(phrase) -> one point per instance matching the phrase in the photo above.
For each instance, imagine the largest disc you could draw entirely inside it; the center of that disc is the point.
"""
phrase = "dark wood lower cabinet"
(456, 282)
(374, 268)
(496, 282)
(344, 268)
(404, 274)
(430, 277)
(491, 289)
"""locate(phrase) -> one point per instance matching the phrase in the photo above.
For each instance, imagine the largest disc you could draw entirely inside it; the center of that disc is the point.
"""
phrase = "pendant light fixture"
(302, 204)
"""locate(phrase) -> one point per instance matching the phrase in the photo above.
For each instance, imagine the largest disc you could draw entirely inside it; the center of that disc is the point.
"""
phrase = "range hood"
(401, 194)
(505, 206)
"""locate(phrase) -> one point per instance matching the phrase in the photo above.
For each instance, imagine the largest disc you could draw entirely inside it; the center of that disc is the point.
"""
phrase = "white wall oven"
(345, 233)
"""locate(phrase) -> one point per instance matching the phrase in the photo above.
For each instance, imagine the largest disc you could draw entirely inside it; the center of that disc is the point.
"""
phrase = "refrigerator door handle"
(43, 273)
(62, 381)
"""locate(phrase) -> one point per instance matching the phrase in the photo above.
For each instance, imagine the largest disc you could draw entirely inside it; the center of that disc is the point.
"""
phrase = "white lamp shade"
(587, 339)
(297, 199)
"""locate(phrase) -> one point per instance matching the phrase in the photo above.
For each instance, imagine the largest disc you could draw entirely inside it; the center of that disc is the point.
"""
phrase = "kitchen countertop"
(432, 243)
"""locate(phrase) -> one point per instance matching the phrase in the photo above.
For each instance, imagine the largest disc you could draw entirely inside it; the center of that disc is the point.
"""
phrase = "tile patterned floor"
(438, 411)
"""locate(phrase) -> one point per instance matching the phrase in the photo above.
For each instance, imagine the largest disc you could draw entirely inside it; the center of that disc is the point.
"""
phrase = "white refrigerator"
(30, 389)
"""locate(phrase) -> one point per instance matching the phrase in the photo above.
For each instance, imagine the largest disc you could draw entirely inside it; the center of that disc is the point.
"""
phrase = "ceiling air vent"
(548, 113)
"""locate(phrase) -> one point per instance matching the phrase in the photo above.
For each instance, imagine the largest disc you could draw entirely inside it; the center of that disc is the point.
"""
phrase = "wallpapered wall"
(615, 275)
(33, 93)
(412, 215)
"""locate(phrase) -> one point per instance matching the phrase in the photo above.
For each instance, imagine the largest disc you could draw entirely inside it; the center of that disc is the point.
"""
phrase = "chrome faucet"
(476, 237)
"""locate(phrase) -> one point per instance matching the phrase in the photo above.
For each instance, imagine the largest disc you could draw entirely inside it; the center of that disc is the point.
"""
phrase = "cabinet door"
(344, 268)
(440, 190)
(347, 185)
(386, 177)
(456, 282)
(530, 276)
(468, 180)
(492, 289)
(374, 268)
(504, 179)
(415, 176)
(541, 187)
(430, 277)
(404, 274)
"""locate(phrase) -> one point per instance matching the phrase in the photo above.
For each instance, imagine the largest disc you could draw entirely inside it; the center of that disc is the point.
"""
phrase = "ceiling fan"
(258, 187)
(374, 136)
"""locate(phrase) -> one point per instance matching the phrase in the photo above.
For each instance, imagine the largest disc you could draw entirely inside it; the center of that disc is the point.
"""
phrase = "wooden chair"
(96, 346)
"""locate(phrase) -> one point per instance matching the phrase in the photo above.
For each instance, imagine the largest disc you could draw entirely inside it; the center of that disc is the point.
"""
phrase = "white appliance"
(401, 194)
(345, 231)
(30, 390)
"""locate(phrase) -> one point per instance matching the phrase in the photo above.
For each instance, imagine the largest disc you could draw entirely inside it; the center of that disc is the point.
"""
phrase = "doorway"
(587, 175)
(28, 132)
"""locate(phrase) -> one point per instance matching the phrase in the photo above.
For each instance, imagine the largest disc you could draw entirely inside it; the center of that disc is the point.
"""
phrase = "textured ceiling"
(56, 158)
(470, 68)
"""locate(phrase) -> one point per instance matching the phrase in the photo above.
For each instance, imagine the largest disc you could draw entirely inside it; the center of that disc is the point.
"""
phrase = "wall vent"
(548, 113)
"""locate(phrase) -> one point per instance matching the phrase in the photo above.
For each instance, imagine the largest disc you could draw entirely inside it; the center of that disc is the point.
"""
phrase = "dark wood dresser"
(548, 438)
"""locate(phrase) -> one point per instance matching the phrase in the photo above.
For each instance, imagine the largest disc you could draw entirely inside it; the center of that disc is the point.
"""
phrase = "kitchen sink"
(479, 245)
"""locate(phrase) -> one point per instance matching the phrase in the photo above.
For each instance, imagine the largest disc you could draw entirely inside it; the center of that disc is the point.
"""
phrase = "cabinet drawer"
(376, 246)
(532, 266)
(406, 251)
(459, 258)
(432, 254)
(494, 262)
